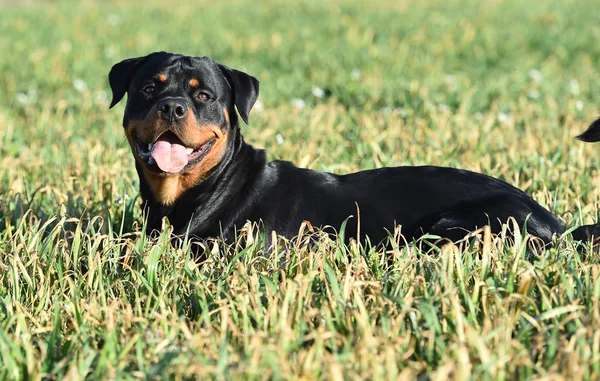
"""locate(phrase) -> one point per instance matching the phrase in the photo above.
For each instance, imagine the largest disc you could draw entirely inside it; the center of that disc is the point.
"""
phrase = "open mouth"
(169, 154)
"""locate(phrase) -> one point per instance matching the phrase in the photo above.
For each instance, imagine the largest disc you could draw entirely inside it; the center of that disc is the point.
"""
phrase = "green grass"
(499, 87)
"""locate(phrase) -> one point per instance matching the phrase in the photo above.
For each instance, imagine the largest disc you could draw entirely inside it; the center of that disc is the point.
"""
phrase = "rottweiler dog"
(182, 123)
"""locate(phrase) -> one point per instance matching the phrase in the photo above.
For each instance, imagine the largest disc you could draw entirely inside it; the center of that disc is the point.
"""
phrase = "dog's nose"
(172, 108)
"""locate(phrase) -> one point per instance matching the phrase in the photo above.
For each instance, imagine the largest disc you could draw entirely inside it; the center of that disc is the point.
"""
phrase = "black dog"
(196, 169)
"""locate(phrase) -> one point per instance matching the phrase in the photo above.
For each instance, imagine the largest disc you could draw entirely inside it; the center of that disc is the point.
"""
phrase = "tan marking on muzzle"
(167, 187)
(226, 113)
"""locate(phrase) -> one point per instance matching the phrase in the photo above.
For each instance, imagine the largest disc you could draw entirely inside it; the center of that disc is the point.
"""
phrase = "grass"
(499, 87)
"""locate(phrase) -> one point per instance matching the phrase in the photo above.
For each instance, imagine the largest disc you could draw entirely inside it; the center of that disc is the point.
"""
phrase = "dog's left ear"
(120, 77)
(592, 134)
(244, 87)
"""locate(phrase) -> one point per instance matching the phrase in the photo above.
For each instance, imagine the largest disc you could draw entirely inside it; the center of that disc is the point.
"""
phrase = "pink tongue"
(170, 157)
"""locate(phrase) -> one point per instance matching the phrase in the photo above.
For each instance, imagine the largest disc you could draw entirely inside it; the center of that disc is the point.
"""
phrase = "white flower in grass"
(120, 200)
(536, 76)
(442, 107)
(279, 139)
(533, 94)
(574, 87)
(68, 307)
(298, 104)
(503, 118)
(23, 99)
(80, 85)
(27, 98)
(318, 92)
(579, 105)
(355, 74)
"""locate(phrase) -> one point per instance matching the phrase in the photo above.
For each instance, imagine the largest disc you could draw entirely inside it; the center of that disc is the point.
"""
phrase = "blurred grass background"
(499, 87)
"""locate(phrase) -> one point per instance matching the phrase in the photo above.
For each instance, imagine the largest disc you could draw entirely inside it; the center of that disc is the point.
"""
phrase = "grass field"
(499, 87)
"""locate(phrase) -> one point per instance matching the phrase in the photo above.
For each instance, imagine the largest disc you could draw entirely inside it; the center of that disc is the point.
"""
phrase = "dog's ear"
(120, 77)
(244, 88)
(592, 134)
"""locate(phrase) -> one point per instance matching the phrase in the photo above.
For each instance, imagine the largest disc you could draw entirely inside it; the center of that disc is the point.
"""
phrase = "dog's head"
(180, 114)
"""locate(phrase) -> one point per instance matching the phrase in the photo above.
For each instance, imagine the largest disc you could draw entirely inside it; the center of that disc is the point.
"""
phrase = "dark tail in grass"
(592, 134)
(586, 232)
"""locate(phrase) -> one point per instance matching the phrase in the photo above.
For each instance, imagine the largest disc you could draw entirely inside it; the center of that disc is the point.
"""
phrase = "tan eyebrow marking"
(194, 82)
(162, 77)
(226, 113)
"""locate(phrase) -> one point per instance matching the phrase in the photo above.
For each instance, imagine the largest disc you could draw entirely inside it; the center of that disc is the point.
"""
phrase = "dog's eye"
(149, 89)
(203, 97)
